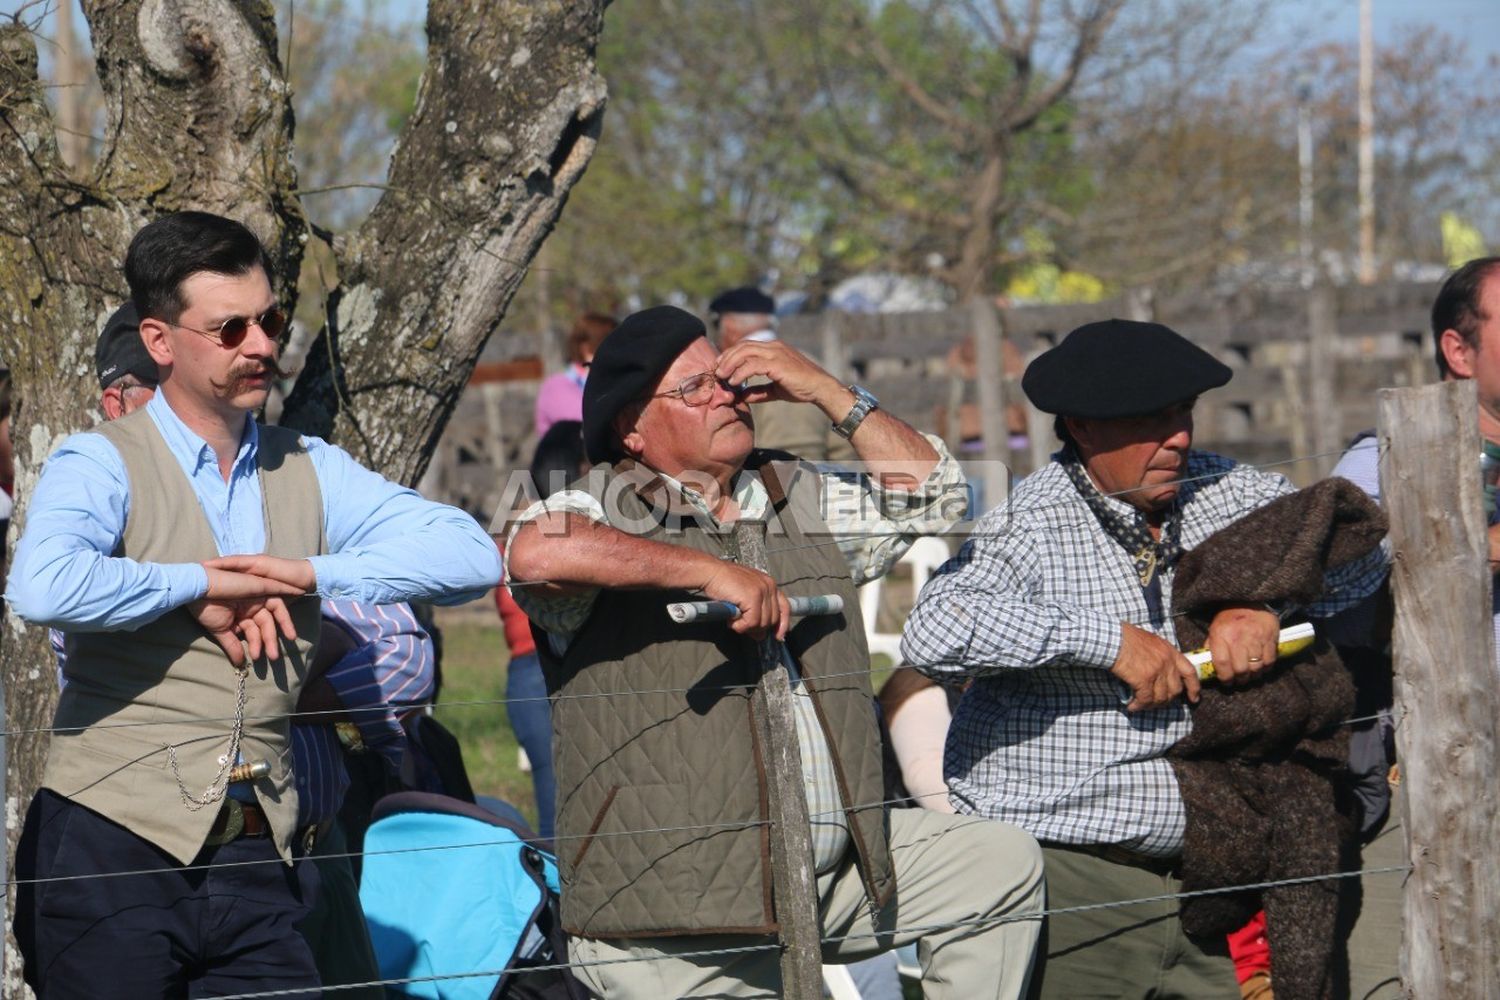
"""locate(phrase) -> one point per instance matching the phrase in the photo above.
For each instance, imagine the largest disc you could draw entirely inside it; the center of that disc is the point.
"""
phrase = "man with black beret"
(748, 313)
(662, 793)
(1058, 608)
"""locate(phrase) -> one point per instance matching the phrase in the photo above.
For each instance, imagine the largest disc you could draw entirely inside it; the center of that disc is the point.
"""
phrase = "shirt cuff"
(943, 476)
(333, 584)
(186, 583)
(1099, 638)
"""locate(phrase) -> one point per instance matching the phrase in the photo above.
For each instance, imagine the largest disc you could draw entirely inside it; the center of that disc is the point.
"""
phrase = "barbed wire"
(339, 713)
(920, 930)
(902, 801)
(693, 828)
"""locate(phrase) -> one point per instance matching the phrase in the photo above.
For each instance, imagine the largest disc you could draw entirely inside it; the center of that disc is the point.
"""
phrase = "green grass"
(474, 658)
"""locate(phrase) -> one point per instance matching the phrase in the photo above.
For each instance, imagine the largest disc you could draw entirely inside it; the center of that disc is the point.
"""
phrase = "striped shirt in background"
(391, 672)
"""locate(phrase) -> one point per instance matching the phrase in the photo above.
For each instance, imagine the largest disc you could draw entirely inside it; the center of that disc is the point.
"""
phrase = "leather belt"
(1115, 854)
(238, 819)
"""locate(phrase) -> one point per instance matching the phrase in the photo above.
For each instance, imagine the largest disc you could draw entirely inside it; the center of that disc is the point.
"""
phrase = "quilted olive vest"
(662, 824)
(130, 695)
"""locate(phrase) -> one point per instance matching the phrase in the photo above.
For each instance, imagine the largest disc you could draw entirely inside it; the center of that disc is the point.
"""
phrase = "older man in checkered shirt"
(1058, 607)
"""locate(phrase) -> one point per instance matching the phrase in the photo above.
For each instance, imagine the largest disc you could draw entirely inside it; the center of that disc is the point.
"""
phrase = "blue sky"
(1477, 21)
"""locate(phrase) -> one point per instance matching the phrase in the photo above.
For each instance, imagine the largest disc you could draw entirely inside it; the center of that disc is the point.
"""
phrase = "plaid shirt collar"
(1127, 525)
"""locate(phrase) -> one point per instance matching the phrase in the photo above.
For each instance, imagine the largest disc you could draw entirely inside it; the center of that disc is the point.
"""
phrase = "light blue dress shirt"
(386, 542)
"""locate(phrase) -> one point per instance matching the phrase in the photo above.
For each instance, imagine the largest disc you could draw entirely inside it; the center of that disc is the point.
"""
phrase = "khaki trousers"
(1126, 952)
(948, 869)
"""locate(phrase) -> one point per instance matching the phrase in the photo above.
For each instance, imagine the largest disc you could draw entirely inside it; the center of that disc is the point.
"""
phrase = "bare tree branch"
(862, 39)
(1089, 32)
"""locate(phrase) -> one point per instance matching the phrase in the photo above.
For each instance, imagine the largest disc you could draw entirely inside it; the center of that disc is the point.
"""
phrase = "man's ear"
(154, 336)
(1457, 353)
(112, 403)
(631, 440)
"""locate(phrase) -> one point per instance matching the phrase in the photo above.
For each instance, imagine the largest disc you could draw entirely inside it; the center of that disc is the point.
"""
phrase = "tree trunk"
(971, 273)
(198, 115)
(472, 193)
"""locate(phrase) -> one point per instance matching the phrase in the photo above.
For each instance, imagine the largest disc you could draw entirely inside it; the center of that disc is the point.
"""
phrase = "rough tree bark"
(199, 116)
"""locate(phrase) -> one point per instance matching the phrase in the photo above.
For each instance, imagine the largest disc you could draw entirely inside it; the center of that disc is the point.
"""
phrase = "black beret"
(630, 361)
(1120, 368)
(121, 352)
(743, 300)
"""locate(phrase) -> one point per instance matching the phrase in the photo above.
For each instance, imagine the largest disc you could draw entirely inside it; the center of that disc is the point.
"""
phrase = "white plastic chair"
(925, 556)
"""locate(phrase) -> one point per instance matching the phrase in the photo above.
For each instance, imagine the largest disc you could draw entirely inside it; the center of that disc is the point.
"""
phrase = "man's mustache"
(243, 374)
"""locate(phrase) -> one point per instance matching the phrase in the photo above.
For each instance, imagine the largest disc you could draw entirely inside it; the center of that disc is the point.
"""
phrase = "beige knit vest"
(130, 695)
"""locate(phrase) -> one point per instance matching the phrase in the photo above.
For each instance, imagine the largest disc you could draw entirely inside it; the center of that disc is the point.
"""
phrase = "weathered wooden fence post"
(1325, 432)
(835, 351)
(1447, 690)
(792, 878)
(989, 360)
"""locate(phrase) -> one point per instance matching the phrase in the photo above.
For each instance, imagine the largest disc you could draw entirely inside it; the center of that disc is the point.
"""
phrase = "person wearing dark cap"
(127, 373)
(749, 314)
(678, 766)
(1058, 608)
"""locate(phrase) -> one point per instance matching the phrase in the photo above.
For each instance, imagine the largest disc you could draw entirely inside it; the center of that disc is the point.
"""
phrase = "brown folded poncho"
(1264, 774)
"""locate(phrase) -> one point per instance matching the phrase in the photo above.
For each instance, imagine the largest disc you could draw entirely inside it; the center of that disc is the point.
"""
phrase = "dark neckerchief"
(1132, 534)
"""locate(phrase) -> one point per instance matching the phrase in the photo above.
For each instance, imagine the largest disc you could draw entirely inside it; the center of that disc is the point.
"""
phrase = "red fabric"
(517, 625)
(1249, 948)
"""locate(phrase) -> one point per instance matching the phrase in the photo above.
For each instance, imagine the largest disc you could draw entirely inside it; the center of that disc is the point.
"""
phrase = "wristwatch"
(864, 403)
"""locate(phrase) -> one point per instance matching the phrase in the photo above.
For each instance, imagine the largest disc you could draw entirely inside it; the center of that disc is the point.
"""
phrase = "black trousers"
(172, 931)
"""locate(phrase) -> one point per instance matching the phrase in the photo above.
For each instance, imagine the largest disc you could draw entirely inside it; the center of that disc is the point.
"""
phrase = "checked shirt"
(1031, 608)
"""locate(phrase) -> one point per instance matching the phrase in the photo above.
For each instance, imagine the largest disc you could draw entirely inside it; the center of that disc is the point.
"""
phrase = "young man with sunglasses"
(663, 801)
(179, 548)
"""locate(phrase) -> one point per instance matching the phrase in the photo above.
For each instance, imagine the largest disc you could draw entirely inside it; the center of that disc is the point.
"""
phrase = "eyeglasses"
(696, 390)
(232, 332)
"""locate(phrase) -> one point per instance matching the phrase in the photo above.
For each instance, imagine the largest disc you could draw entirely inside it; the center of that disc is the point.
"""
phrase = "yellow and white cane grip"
(1292, 639)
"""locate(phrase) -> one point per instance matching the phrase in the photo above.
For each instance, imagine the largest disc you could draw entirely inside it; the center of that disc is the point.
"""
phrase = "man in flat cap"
(1058, 608)
(749, 314)
(662, 792)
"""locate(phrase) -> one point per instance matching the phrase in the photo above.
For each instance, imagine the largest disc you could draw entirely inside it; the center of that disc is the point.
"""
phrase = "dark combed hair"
(1060, 428)
(559, 457)
(1457, 307)
(168, 251)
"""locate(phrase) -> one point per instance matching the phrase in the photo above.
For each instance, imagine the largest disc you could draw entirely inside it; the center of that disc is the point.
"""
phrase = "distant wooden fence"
(1307, 366)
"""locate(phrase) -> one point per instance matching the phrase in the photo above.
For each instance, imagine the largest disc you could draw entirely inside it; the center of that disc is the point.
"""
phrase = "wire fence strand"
(978, 923)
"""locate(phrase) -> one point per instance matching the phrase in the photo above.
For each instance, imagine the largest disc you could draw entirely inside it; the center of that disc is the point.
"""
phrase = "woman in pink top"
(561, 396)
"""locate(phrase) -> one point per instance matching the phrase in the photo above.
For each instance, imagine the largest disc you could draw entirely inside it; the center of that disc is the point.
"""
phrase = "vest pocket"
(588, 839)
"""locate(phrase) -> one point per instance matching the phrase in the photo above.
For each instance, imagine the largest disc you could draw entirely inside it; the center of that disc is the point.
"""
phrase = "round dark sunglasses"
(232, 332)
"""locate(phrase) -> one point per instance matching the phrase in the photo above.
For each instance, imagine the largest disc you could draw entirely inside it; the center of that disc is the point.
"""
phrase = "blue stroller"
(460, 903)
